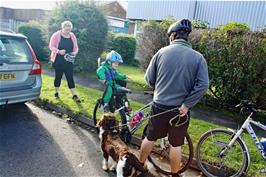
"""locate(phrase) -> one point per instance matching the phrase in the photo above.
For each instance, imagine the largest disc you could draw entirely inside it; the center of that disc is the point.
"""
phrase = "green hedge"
(35, 32)
(235, 56)
(124, 44)
(237, 64)
(90, 27)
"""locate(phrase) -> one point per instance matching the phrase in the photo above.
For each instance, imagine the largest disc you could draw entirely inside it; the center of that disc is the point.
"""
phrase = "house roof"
(113, 8)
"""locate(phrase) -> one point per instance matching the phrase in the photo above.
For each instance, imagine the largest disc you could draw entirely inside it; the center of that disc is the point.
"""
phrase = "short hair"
(66, 23)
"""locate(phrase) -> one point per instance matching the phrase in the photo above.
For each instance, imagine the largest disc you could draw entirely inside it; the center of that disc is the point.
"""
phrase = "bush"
(152, 37)
(235, 56)
(90, 27)
(232, 28)
(34, 31)
(237, 66)
(125, 45)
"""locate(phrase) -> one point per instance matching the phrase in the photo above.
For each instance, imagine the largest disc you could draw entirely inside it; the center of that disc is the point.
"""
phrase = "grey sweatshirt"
(178, 74)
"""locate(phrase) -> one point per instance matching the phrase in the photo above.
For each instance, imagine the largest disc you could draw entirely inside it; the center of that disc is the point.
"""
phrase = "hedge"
(124, 44)
(35, 32)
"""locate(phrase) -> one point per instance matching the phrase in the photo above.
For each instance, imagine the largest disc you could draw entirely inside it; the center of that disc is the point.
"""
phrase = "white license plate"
(7, 76)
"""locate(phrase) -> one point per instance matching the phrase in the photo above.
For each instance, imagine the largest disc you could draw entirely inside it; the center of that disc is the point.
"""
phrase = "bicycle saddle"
(122, 90)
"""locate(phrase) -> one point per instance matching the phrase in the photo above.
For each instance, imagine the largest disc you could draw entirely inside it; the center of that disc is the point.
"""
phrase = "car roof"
(17, 35)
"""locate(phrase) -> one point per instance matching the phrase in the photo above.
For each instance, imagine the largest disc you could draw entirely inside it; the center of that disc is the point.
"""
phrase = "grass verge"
(89, 96)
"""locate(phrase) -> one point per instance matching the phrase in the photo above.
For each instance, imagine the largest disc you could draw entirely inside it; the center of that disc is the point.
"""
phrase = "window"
(13, 50)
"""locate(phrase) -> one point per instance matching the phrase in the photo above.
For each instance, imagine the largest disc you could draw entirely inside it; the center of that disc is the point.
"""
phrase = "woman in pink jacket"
(64, 48)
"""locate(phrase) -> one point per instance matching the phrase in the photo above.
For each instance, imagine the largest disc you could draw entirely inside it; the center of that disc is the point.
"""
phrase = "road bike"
(224, 153)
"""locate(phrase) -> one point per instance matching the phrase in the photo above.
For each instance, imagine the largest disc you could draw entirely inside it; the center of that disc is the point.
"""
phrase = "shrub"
(200, 24)
(235, 28)
(35, 31)
(152, 37)
(235, 56)
(125, 45)
(237, 66)
(90, 27)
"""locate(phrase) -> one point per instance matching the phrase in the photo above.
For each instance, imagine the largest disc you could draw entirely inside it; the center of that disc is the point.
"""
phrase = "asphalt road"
(34, 142)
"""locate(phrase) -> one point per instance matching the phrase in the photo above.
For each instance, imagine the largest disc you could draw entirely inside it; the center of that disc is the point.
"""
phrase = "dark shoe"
(76, 98)
(56, 95)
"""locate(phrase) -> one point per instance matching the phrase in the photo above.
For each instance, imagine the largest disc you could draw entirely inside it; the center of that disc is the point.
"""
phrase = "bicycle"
(229, 155)
(119, 105)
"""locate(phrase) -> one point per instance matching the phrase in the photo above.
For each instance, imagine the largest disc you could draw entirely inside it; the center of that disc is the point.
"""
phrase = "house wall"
(215, 12)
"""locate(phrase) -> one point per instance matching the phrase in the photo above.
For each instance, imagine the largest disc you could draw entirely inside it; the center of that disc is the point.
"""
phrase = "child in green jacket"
(108, 75)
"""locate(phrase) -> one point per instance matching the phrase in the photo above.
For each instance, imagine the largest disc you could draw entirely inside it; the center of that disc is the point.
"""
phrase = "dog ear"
(103, 120)
(99, 124)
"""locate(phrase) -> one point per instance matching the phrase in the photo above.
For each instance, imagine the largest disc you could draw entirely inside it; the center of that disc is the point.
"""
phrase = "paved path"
(34, 142)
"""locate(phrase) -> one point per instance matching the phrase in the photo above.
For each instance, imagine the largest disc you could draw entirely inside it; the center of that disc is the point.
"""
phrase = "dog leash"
(155, 115)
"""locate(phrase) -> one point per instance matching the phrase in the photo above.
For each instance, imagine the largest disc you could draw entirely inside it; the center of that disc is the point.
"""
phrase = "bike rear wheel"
(232, 163)
(159, 156)
(97, 113)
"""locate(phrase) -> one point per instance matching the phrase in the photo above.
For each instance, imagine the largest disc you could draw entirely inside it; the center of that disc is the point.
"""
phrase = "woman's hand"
(73, 54)
(62, 52)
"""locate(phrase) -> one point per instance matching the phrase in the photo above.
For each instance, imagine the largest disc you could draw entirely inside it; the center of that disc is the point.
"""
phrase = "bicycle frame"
(140, 122)
(247, 126)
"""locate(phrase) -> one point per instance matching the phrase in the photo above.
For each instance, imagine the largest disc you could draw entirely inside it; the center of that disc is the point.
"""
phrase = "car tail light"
(37, 67)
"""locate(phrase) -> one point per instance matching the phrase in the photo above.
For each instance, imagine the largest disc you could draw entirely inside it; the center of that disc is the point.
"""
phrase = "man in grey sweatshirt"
(179, 76)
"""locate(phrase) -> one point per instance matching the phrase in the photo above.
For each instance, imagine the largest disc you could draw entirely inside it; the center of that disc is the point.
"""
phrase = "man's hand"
(62, 52)
(183, 110)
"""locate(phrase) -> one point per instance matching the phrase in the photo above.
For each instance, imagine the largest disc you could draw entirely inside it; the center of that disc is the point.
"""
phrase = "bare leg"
(145, 150)
(175, 158)
(73, 91)
(56, 89)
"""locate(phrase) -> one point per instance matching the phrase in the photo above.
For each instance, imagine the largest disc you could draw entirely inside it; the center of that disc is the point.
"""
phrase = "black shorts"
(159, 127)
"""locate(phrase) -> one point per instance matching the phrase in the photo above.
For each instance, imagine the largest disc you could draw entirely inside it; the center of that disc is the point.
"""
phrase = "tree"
(90, 27)
(34, 32)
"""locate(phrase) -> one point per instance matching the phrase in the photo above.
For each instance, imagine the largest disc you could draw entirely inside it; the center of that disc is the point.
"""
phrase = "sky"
(40, 4)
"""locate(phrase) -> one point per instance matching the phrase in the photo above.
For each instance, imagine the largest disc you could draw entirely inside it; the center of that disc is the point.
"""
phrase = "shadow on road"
(24, 150)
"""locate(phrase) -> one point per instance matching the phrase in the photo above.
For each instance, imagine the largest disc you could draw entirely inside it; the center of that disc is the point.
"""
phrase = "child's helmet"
(114, 57)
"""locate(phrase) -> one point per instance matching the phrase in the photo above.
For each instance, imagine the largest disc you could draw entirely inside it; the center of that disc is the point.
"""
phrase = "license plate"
(8, 76)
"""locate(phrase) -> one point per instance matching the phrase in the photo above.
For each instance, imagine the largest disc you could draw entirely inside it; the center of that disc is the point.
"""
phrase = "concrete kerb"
(136, 141)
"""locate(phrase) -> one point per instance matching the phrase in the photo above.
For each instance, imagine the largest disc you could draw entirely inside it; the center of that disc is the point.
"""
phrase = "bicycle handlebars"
(246, 104)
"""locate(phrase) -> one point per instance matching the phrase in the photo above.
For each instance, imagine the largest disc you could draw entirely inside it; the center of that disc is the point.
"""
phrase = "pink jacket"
(54, 42)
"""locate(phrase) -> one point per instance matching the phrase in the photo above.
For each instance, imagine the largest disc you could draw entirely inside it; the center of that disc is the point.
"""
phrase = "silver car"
(20, 71)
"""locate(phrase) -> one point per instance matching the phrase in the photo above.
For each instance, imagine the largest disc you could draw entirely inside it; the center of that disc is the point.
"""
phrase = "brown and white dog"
(124, 162)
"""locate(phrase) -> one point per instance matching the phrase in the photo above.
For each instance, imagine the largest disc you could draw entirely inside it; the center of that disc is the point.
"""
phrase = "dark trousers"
(66, 69)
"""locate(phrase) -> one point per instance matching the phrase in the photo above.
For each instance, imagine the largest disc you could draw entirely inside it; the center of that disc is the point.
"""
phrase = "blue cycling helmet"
(114, 57)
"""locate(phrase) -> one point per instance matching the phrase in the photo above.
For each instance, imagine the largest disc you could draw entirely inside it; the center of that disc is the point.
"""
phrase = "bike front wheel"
(160, 156)
(215, 158)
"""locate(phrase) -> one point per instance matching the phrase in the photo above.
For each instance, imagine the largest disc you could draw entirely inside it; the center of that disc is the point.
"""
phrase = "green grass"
(137, 75)
(89, 96)
(137, 81)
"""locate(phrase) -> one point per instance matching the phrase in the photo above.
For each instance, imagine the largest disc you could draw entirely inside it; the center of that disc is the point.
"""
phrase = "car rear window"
(14, 50)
